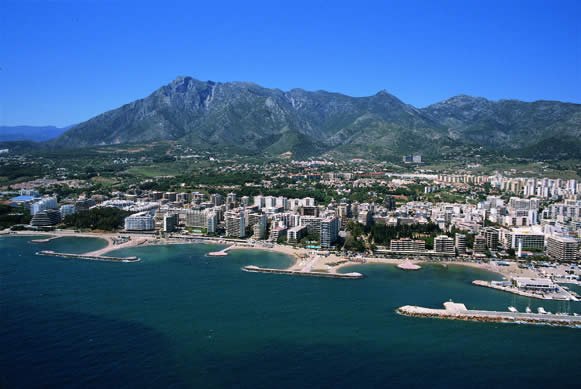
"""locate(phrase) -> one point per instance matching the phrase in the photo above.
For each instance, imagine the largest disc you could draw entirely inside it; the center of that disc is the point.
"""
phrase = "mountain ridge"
(209, 114)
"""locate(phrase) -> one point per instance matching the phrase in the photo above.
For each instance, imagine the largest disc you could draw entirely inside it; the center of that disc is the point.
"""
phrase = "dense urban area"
(355, 208)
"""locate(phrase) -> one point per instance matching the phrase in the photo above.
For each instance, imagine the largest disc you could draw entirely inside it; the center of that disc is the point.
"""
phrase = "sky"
(63, 62)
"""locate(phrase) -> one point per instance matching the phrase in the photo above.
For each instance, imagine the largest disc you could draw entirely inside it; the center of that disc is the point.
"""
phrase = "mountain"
(30, 133)
(249, 118)
(508, 124)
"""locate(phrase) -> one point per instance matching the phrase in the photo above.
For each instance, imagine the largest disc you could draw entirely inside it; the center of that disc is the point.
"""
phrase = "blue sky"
(62, 62)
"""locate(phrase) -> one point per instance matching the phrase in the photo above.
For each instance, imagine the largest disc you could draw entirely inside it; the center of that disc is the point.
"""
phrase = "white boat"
(512, 309)
(528, 310)
(541, 310)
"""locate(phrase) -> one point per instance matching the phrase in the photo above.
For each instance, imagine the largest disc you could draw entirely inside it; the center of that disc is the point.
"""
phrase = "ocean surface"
(181, 319)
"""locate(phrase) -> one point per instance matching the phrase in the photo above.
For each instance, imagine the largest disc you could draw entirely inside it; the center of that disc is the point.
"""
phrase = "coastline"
(302, 259)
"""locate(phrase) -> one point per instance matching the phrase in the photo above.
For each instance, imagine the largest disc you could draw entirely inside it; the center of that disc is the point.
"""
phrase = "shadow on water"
(46, 348)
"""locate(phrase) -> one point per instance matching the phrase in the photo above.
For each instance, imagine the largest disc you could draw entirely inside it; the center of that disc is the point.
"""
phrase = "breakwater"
(88, 257)
(256, 269)
(455, 311)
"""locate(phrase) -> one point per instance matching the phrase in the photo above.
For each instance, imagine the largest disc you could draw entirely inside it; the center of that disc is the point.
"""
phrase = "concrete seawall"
(87, 257)
(454, 311)
(256, 269)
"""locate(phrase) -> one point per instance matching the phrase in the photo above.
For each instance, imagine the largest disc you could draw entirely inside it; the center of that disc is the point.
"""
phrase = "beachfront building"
(313, 224)
(444, 244)
(527, 238)
(562, 248)
(142, 221)
(295, 234)
(492, 238)
(479, 244)
(67, 209)
(407, 245)
(43, 204)
(329, 231)
(460, 243)
(46, 218)
(235, 224)
(170, 222)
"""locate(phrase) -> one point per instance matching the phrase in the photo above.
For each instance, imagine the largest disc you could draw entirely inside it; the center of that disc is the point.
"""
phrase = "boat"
(528, 310)
(512, 309)
(541, 310)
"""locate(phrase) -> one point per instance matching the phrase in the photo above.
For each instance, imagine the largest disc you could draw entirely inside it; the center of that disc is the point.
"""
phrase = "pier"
(221, 253)
(44, 240)
(256, 269)
(561, 294)
(456, 311)
(103, 258)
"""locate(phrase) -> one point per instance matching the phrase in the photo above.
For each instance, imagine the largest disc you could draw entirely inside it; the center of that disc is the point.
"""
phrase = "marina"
(457, 311)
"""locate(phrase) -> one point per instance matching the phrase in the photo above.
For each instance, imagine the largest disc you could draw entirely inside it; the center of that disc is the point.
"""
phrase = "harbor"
(458, 311)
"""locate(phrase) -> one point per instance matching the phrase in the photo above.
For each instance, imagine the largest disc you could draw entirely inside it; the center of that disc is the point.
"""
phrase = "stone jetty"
(256, 269)
(456, 311)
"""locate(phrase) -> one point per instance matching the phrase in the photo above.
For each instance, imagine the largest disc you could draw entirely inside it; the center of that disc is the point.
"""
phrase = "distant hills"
(30, 133)
(250, 118)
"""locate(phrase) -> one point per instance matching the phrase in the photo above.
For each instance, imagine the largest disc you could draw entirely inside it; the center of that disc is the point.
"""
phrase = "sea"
(181, 319)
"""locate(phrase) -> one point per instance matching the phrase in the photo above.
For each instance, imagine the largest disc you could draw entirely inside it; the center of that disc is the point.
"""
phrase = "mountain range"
(249, 118)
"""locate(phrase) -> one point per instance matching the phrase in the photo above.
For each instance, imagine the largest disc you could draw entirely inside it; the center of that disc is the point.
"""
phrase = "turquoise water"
(181, 319)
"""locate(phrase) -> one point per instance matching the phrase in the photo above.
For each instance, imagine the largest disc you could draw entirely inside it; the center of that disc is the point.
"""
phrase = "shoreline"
(302, 259)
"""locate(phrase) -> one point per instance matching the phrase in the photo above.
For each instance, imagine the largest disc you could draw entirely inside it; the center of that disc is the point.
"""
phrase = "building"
(524, 238)
(170, 222)
(460, 240)
(407, 244)
(329, 231)
(492, 238)
(142, 221)
(444, 244)
(312, 223)
(534, 284)
(479, 244)
(43, 204)
(46, 218)
(277, 233)
(259, 227)
(67, 209)
(295, 234)
(235, 224)
(562, 248)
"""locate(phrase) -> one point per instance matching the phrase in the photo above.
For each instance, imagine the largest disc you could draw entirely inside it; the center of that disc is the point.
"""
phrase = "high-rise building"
(492, 238)
(235, 224)
(142, 221)
(48, 217)
(329, 231)
(562, 248)
(259, 227)
(170, 222)
(460, 243)
(295, 234)
(217, 199)
(43, 204)
(479, 244)
(67, 209)
(312, 223)
(444, 244)
(407, 244)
